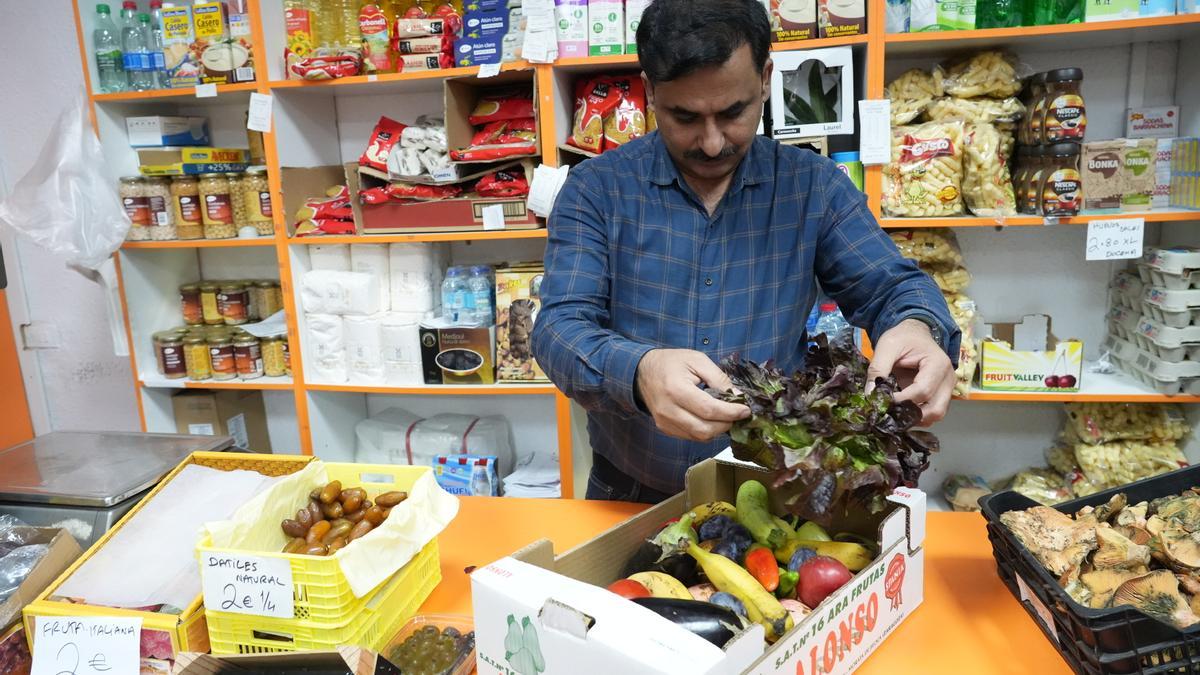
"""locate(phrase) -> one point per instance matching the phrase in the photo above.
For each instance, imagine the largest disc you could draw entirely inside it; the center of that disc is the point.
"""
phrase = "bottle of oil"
(302, 20)
(375, 26)
(347, 35)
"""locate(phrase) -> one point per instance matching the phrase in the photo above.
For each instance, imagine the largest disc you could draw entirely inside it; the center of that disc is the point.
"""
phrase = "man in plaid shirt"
(702, 240)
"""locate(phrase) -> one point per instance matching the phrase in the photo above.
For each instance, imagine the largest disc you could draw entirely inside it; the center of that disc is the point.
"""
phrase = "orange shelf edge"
(539, 233)
(155, 94)
(1056, 29)
(444, 73)
(1019, 397)
(1028, 221)
(442, 389)
(199, 243)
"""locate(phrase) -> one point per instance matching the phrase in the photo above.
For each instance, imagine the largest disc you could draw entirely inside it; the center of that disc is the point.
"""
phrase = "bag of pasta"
(925, 175)
(987, 184)
(990, 73)
(627, 120)
(1007, 110)
(910, 94)
(594, 99)
(929, 247)
(1097, 423)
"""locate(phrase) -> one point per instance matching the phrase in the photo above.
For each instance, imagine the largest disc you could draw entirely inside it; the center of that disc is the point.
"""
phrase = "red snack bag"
(322, 67)
(375, 195)
(510, 104)
(490, 153)
(508, 131)
(422, 193)
(628, 119)
(508, 183)
(386, 134)
(594, 99)
(312, 228)
(411, 63)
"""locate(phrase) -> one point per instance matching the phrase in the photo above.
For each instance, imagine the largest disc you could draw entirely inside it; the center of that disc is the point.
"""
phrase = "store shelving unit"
(316, 415)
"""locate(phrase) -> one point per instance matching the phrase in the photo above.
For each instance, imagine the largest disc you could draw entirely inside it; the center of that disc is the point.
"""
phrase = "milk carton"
(606, 27)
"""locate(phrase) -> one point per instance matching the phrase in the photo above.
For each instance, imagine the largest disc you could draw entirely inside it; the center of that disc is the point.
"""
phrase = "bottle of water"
(110, 71)
(832, 323)
(158, 60)
(153, 71)
(136, 55)
(454, 296)
(481, 287)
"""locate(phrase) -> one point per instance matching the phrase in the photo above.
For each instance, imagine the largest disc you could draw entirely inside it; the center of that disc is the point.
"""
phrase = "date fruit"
(390, 499)
(293, 528)
(318, 531)
(330, 492)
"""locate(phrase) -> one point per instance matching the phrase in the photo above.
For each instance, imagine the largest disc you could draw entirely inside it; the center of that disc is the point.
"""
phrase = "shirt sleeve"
(860, 267)
(589, 362)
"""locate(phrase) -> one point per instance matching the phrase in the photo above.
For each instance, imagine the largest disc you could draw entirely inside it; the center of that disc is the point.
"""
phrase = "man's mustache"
(701, 156)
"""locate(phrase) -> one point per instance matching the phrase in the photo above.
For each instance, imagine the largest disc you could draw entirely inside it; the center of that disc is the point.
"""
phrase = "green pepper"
(787, 583)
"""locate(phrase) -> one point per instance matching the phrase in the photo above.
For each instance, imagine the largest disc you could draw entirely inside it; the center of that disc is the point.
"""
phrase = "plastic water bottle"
(454, 296)
(158, 60)
(481, 287)
(155, 61)
(136, 55)
(110, 70)
(832, 323)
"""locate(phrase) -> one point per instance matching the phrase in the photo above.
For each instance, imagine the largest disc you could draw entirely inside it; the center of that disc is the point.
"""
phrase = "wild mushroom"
(1180, 548)
(1113, 507)
(1157, 595)
(1102, 584)
(1116, 551)
(1183, 509)
(1133, 516)
(1057, 541)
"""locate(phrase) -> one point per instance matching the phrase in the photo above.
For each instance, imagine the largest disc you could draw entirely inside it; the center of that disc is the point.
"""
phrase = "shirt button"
(708, 281)
(705, 341)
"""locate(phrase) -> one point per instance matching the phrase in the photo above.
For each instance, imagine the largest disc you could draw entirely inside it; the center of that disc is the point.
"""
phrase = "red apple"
(819, 578)
(628, 588)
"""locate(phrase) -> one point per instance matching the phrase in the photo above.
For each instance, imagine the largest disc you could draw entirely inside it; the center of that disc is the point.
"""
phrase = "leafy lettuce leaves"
(831, 445)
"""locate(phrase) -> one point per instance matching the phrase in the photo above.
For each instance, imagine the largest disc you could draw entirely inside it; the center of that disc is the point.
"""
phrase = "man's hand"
(667, 380)
(923, 371)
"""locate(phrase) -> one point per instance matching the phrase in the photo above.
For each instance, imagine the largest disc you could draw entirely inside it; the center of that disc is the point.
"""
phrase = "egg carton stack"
(1154, 323)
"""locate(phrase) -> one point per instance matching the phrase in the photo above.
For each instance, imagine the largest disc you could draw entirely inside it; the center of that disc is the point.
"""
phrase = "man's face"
(709, 117)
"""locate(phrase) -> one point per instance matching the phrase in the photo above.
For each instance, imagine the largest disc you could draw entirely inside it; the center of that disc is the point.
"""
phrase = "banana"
(732, 578)
(853, 556)
(754, 513)
(703, 512)
(662, 585)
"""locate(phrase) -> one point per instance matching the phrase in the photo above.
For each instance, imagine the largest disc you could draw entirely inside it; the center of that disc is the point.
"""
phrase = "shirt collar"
(756, 166)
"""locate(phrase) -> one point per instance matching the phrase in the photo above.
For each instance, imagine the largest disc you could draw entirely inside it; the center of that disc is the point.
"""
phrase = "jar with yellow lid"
(208, 304)
(220, 352)
(196, 357)
(132, 191)
(168, 353)
(268, 297)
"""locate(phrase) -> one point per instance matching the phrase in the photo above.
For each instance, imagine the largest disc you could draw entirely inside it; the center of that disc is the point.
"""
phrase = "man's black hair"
(678, 37)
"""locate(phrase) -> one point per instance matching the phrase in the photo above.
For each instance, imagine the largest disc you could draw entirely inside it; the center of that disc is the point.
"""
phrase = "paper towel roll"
(400, 333)
(373, 259)
(335, 257)
(364, 348)
(349, 293)
(325, 343)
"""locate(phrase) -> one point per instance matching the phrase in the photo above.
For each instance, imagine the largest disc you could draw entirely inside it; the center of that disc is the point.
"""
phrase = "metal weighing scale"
(93, 477)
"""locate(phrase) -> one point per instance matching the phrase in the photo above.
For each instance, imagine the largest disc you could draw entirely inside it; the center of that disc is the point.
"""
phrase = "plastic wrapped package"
(373, 259)
(325, 341)
(1061, 458)
(1097, 423)
(1121, 462)
(989, 110)
(925, 175)
(67, 203)
(910, 94)
(396, 436)
(330, 292)
(330, 257)
(989, 73)
(1041, 485)
(987, 185)
(951, 279)
(928, 247)
(364, 348)
(17, 565)
(963, 492)
(968, 361)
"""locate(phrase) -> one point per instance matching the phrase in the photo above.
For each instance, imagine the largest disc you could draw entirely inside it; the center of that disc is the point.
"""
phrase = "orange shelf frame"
(393, 77)
(494, 235)
(1079, 397)
(262, 384)
(200, 243)
(993, 34)
(1027, 221)
(443, 389)
(159, 94)
(821, 43)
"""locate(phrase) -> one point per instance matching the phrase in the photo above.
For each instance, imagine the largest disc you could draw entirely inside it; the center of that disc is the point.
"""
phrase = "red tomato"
(819, 578)
(629, 589)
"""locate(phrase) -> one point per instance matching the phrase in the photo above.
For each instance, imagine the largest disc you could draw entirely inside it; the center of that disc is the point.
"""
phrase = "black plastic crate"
(1093, 641)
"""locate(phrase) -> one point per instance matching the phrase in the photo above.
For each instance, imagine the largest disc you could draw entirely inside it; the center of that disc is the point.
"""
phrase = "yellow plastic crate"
(372, 625)
(324, 605)
(187, 631)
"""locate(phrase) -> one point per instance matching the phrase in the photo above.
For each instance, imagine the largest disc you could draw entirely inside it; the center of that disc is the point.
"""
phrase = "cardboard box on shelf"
(791, 73)
(1161, 198)
(191, 160)
(1110, 10)
(240, 414)
(1138, 171)
(606, 27)
(1026, 356)
(839, 18)
(457, 354)
(1155, 122)
(633, 17)
(223, 43)
(793, 20)
(462, 94)
(564, 602)
(309, 182)
(157, 131)
(518, 301)
(1103, 176)
(63, 550)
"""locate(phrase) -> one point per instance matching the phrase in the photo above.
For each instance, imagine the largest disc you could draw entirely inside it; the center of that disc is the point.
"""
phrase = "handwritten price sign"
(247, 584)
(1115, 239)
(86, 645)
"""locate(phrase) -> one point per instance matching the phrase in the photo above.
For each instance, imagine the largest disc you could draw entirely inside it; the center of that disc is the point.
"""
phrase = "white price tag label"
(1115, 239)
(372, 78)
(1043, 613)
(875, 140)
(259, 118)
(493, 217)
(86, 645)
(206, 90)
(247, 584)
(489, 70)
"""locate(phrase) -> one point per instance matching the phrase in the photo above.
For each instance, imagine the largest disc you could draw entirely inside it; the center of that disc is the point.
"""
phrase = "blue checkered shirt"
(635, 262)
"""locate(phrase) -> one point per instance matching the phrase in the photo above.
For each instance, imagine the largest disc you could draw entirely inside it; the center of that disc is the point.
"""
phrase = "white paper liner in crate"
(366, 562)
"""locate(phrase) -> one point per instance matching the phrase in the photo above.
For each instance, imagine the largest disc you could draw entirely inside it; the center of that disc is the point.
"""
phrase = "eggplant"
(643, 560)
(712, 622)
(682, 566)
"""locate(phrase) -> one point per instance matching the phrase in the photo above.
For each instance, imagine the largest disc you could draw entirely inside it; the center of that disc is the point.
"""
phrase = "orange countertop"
(969, 622)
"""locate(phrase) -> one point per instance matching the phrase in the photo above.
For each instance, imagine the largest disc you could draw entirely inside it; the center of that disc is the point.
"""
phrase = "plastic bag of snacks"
(990, 73)
(1122, 462)
(963, 492)
(925, 175)
(1097, 423)
(595, 98)
(987, 185)
(386, 134)
(323, 64)
(330, 214)
(910, 94)
(1061, 458)
(627, 120)
(506, 183)
(950, 279)
(929, 247)
(1041, 485)
(510, 104)
(975, 109)
(968, 360)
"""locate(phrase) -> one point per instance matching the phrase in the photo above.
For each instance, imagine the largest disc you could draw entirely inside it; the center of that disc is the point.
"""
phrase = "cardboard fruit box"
(1025, 356)
(537, 600)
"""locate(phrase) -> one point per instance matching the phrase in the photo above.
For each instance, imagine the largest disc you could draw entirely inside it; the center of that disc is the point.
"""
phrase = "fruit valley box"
(553, 615)
(1025, 356)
